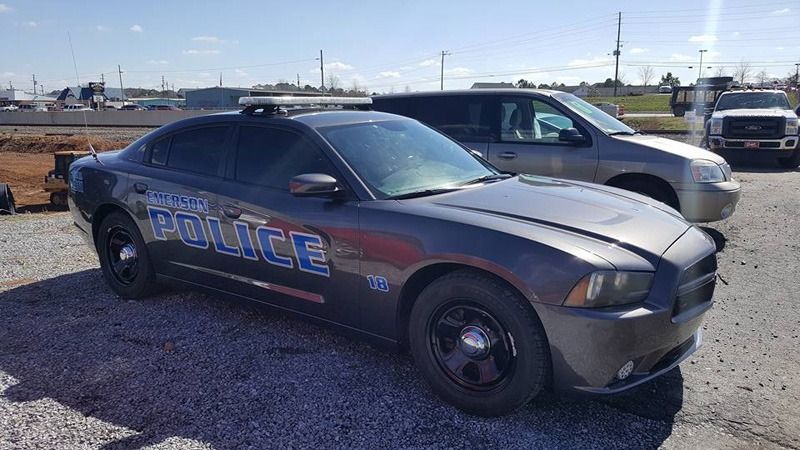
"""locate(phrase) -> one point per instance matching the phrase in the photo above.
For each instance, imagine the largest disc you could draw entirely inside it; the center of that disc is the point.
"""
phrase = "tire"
(650, 189)
(678, 111)
(467, 307)
(123, 257)
(791, 162)
(6, 200)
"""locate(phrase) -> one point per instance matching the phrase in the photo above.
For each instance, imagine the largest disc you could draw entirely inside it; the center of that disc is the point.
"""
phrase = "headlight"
(715, 128)
(609, 288)
(705, 171)
(791, 127)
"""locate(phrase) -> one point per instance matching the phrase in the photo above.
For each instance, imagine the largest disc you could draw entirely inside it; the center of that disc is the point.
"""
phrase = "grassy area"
(657, 123)
(637, 103)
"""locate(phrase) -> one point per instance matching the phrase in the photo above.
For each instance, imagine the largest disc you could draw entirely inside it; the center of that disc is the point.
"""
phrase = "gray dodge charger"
(499, 285)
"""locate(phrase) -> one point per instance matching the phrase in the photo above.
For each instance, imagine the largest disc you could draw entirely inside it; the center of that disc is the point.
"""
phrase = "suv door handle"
(507, 155)
(140, 188)
(231, 211)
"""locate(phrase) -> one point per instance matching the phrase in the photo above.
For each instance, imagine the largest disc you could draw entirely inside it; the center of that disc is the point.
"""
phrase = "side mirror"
(571, 135)
(313, 185)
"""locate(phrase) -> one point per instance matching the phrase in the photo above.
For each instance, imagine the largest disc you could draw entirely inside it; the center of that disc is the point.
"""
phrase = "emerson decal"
(307, 249)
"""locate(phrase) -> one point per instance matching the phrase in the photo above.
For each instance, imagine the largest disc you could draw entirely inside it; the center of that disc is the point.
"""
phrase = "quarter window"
(463, 118)
(158, 152)
(199, 150)
(271, 157)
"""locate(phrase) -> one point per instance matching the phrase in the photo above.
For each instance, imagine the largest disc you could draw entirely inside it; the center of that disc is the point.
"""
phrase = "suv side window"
(464, 118)
(199, 150)
(271, 157)
(531, 121)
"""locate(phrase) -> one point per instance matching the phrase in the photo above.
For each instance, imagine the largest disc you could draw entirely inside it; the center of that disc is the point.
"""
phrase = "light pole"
(700, 73)
(796, 74)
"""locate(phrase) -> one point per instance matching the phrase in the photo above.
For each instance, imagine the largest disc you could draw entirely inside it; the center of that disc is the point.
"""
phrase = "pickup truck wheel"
(123, 257)
(791, 162)
(478, 343)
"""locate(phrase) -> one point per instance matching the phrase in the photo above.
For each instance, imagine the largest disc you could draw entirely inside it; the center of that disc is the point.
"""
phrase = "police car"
(500, 285)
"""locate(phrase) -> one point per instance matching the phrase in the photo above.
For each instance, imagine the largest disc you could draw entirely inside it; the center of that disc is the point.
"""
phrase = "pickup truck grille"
(696, 285)
(753, 127)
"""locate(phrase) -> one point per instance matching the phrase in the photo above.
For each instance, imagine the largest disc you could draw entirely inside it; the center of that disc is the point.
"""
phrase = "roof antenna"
(85, 122)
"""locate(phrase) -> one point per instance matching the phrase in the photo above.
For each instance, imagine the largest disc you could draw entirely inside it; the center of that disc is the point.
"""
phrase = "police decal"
(195, 232)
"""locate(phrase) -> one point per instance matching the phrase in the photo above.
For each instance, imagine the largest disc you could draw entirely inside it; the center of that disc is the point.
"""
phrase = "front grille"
(697, 285)
(740, 144)
(753, 127)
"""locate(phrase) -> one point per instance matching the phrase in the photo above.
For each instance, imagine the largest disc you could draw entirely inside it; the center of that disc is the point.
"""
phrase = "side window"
(271, 157)
(548, 122)
(158, 152)
(199, 150)
(531, 121)
(464, 118)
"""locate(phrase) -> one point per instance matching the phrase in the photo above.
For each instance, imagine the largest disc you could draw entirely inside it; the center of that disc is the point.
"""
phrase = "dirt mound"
(21, 143)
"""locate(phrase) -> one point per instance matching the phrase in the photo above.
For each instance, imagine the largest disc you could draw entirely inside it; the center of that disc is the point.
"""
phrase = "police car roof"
(315, 117)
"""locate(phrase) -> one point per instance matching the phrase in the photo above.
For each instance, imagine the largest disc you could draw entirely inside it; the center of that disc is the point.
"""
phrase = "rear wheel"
(791, 162)
(478, 344)
(678, 111)
(123, 257)
(6, 200)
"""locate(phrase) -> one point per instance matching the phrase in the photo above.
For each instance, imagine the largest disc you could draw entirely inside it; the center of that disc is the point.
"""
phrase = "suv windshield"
(403, 157)
(753, 100)
(596, 116)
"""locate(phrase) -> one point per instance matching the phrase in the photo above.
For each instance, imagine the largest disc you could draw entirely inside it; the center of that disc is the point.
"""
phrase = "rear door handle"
(140, 188)
(231, 211)
(507, 155)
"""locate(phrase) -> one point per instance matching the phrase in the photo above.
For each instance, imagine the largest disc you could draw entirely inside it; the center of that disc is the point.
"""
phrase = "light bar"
(298, 101)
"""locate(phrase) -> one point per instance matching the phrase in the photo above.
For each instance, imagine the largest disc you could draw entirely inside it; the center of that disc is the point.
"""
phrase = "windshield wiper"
(423, 193)
(623, 133)
(492, 177)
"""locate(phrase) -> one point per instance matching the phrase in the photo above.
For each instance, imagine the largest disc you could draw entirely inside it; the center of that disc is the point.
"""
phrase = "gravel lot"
(80, 368)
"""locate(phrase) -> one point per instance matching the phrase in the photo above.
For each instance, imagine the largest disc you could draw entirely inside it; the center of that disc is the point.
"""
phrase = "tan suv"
(557, 134)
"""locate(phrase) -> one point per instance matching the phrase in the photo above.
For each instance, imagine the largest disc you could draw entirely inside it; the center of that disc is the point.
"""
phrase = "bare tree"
(742, 72)
(720, 71)
(334, 82)
(646, 74)
(762, 77)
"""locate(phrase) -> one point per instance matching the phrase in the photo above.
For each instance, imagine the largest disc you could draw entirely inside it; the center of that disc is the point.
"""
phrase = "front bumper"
(708, 202)
(589, 346)
(787, 143)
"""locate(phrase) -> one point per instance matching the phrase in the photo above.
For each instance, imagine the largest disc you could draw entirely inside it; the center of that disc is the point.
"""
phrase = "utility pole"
(34, 83)
(162, 85)
(322, 71)
(700, 72)
(441, 77)
(121, 89)
(298, 81)
(616, 53)
(102, 78)
(41, 86)
(797, 77)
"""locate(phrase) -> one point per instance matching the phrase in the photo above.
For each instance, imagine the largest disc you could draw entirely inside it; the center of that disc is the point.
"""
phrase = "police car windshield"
(596, 116)
(397, 158)
(753, 100)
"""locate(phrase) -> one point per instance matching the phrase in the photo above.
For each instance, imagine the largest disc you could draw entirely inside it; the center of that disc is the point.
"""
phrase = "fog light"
(625, 371)
(790, 144)
(727, 211)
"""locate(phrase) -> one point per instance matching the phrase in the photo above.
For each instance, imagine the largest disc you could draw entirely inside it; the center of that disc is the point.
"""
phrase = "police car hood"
(612, 215)
(788, 113)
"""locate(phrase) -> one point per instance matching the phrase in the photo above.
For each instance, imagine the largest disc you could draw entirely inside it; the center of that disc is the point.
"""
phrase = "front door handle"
(231, 211)
(140, 188)
(507, 155)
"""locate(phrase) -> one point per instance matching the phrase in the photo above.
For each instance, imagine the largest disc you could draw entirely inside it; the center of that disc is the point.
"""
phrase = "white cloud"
(212, 39)
(736, 34)
(703, 38)
(639, 51)
(240, 72)
(679, 57)
(595, 60)
(781, 12)
(9, 74)
(200, 52)
(137, 28)
(457, 71)
(429, 62)
(389, 74)
(157, 61)
(102, 28)
(338, 65)
(5, 8)
(780, 49)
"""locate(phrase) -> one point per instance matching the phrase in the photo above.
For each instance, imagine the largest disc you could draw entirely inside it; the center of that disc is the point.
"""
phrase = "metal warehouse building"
(228, 97)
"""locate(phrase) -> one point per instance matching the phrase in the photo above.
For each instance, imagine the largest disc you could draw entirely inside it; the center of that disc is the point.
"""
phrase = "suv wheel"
(479, 344)
(123, 257)
(791, 162)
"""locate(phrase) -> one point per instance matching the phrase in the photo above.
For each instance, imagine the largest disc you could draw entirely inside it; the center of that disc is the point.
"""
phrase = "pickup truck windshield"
(753, 100)
(596, 116)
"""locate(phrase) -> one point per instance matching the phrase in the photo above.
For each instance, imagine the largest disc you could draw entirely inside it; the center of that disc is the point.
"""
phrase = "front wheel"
(478, 343)
(791, 162)
(123, 257)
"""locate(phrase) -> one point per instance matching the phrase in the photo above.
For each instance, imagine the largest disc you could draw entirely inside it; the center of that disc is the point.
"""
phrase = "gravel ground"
(80, 368)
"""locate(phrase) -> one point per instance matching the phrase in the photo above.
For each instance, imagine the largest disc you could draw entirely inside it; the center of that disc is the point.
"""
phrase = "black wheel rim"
(471, 346)
(122, 255)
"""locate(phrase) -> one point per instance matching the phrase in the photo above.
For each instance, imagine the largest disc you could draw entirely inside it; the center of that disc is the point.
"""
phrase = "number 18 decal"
(378, 283)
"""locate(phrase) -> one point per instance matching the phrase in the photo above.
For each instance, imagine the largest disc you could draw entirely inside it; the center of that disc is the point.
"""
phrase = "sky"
(389, 46)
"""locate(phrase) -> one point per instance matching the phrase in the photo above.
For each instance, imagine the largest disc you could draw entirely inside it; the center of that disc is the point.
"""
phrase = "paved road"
(80, 368)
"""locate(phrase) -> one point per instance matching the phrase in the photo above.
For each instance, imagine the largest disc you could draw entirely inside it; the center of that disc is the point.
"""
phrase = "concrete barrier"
(98, 118)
